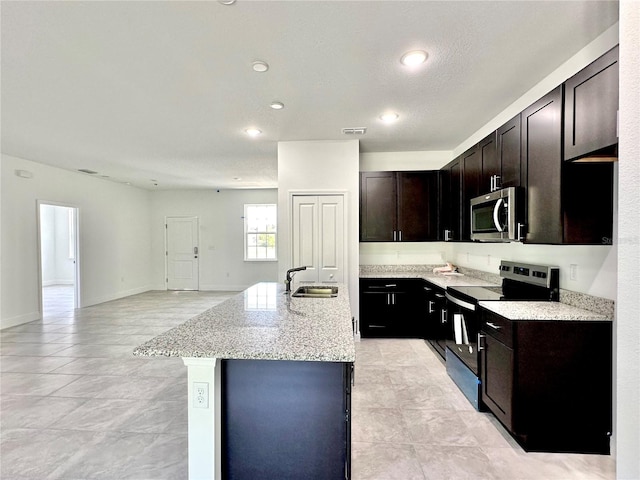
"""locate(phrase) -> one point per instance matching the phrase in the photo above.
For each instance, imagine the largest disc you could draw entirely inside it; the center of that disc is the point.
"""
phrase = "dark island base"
(286, 420)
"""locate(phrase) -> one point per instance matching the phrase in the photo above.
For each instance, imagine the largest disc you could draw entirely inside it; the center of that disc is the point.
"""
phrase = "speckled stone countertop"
(439, 279)
(542, 311)
(264, 323)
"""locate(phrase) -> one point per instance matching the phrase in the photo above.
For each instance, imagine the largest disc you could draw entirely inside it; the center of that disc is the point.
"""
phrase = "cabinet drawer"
(498, 327)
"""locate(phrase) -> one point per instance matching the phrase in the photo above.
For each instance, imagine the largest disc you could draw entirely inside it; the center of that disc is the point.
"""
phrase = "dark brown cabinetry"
(549, 382)
(438, 328)
(491, 170)
(451, 201)
(471, 186)
(591, 110)
(391, 308)
(542, 162)
(508, 153)
(399, 206)
(565, 202)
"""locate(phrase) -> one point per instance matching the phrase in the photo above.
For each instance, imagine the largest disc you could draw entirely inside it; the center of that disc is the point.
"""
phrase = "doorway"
(58, 249)
(182, 256)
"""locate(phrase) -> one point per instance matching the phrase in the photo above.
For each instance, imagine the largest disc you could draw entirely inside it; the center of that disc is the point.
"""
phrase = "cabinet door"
(496, 370)
(490, 164)
(508, 143)
(591, 108)
(453, 201)
(542, 162)
(471, 181)
(417, 206)
(376, 318)
(377, 206)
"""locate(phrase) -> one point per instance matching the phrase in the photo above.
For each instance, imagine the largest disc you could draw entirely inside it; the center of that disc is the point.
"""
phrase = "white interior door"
(318, 238)
(182, 253)
(305, 236)
(331, 239)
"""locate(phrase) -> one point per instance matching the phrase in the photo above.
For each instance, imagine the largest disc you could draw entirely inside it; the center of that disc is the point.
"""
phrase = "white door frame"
(347, 213)
(166, 247)
(77, 303)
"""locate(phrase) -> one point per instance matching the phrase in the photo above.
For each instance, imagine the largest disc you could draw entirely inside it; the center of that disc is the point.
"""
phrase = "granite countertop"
(439, 279)
(264, 323)
(529, 310)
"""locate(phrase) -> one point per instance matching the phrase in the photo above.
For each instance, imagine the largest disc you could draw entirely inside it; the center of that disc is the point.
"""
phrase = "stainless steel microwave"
(495, 217)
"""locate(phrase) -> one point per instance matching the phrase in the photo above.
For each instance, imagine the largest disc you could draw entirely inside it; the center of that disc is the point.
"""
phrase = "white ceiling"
(163, 90)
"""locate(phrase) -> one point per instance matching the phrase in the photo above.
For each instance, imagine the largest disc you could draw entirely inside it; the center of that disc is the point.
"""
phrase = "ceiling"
(160, 92)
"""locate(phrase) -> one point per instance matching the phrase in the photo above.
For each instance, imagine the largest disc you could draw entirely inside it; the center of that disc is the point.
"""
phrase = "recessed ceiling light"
(253, 132)
(389, 117)
(413, 58)
(260, 66)
(277, 105)
(226, 2)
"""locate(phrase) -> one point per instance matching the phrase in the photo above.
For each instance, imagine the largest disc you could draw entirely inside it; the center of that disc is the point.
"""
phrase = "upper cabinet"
(451, 201)
(471, 186)
(591, 110)
(508, 143)
(542, 161)
(399, 206)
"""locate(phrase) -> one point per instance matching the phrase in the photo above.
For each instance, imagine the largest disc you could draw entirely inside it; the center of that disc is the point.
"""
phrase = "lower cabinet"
(391, 308)
(437, 329)
(286, 419)
(549, 382)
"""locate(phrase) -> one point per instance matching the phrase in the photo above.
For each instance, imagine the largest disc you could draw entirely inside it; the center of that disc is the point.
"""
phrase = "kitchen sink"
(316, 292)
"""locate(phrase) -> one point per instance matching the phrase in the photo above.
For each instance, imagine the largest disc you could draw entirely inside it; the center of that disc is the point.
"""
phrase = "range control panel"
(543, 275)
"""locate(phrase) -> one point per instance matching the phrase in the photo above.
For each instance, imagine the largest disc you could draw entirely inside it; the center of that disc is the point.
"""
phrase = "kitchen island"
(269, 379)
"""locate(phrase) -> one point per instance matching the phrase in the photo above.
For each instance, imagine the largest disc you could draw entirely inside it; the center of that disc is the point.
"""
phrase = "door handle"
(496, 220)
(195, 250)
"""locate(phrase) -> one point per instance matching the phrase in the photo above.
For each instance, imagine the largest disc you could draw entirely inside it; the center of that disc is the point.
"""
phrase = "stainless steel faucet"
(290, 273)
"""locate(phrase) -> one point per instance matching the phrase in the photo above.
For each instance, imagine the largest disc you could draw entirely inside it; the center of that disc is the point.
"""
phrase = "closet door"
(318, 238)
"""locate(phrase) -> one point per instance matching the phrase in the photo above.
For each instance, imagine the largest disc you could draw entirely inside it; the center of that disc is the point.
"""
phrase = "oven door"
(465, 325)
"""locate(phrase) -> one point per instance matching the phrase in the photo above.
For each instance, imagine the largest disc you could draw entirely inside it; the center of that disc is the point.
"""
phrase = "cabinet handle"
(389, 285)
(481, 344)
(494, 326)
(446, 235)
(520, 235)
(394, 236)
(431, 304)
(388, 299)
(443, 316)
(492, 183)
(399, 235)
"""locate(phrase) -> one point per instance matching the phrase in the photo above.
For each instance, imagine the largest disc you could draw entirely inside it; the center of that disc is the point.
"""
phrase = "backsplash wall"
(596, 265)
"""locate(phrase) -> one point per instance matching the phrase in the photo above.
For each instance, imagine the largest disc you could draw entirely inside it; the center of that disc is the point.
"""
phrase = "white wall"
(627, 325)
(113, 235)
(317, 166)
(382, 161)
(221, 236)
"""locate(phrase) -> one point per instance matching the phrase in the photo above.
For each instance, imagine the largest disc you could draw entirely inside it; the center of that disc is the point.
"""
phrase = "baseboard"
(87, 302)
(223, 288)
(19, 320)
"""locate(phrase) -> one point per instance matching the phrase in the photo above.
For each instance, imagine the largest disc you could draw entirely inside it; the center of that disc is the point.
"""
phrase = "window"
(260, 230)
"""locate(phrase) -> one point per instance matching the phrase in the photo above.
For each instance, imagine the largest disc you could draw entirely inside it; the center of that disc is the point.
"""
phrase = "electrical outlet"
(200, 395)
(573, 271)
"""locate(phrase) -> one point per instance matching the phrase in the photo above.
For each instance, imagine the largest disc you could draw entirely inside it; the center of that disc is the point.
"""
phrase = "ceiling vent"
(85, 170)
(354, 131)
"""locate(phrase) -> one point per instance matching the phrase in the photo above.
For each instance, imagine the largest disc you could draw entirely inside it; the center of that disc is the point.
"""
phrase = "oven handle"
(496, 220)
(461, 303)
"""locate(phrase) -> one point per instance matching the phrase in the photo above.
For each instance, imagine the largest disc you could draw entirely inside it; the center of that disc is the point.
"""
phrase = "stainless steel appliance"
(497, 216)
(520, 281)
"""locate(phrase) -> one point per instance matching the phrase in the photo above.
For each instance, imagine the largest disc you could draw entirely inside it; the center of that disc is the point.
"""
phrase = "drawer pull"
(494, 326)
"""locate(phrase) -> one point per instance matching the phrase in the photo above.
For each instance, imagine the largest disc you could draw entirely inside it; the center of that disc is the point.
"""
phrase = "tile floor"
(75, 404)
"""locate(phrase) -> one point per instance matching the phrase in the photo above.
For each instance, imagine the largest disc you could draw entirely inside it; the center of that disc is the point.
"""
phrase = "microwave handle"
(496, 220)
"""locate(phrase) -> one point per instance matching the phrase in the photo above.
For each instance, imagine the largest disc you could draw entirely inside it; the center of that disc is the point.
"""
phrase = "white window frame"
(246, 232)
